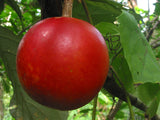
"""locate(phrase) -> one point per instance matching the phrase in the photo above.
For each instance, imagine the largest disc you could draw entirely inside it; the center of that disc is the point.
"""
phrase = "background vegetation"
(132, 89)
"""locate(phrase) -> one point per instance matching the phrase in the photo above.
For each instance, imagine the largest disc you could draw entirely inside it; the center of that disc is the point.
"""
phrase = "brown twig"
(154, 19)
(67, 8)
(149, 28)
(150, 32)
(156, 43)
(117, 91)
(114, 110)
(131, 5)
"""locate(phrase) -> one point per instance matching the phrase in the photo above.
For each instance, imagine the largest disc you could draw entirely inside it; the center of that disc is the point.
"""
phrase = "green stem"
(94, 107)
(87, 12)
(126, 94)
(130, 108)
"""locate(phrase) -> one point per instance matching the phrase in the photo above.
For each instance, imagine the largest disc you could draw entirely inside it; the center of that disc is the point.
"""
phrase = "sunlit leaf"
(137, 51)
(122, 70)
(107, 28)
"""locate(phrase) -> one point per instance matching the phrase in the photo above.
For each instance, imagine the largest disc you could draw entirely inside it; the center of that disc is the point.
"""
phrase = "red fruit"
(62, 62)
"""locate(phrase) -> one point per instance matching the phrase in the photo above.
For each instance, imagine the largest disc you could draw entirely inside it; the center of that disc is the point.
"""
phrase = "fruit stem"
(67, 8)
(94, 107)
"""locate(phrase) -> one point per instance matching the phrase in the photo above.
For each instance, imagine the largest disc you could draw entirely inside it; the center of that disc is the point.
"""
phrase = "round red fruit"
(62, 62)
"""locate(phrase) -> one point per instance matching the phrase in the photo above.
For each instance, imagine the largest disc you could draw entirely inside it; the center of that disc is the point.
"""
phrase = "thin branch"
(156, 45)
(114, 110)
(154, 19)
(154, 41)
(117, 91)
(113, 105)
(131, 5)
(26, 28)
(113, 58)
(151, 22)
(125, 93)
(87, 11)
(152, 30)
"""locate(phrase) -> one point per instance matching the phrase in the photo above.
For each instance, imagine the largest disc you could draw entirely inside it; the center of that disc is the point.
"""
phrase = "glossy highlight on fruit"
(62, 62)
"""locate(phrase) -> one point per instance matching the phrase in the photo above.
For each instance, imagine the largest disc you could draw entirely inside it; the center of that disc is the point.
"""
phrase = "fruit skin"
(62, 62)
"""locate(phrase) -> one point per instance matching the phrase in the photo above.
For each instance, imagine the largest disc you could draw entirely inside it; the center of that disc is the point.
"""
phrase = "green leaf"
(149, 94)
(121, 67)
(100, 10)
(137, 51)
(107, 28)
(137, 16)
(23, 106)
(119, 63)
(15, 7)
(6, 85)
(152, 109)
(102, 99)
(157, 8)
(1, 5)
